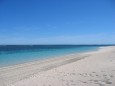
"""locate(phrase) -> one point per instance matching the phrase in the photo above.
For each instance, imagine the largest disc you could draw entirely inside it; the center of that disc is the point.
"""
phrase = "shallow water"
(15, 54)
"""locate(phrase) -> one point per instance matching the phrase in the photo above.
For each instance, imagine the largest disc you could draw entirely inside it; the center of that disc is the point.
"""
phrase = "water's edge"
(25, 57)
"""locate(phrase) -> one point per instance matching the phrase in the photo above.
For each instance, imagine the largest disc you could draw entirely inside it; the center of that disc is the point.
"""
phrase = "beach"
(94, 68)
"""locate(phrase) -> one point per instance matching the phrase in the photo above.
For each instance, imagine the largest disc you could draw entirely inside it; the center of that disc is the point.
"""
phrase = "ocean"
(16, 54)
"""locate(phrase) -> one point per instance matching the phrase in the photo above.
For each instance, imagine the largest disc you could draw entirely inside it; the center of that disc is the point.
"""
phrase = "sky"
(57, 22)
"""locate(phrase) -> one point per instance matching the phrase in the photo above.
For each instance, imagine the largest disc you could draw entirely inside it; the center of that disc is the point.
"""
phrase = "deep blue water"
(15, 54)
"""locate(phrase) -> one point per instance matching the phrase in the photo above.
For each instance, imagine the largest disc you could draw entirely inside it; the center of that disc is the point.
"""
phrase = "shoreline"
(49, 58)
(13, 74)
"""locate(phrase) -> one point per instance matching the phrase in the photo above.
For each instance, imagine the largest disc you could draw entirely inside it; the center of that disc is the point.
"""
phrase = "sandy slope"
(89, 69)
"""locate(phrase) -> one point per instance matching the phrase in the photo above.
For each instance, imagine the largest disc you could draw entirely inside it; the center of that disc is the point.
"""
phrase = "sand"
(95, 68)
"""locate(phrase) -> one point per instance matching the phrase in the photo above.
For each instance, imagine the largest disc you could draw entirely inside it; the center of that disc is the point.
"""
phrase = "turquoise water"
(15, 55)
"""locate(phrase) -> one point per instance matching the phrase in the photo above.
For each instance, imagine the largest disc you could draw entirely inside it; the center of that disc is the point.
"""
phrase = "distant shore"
(84, 69)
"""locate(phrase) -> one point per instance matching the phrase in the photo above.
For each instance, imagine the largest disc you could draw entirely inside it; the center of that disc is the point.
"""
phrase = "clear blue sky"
(57, 21)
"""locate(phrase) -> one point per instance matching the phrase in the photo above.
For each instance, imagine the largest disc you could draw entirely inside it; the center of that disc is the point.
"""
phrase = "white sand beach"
(95, 68)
